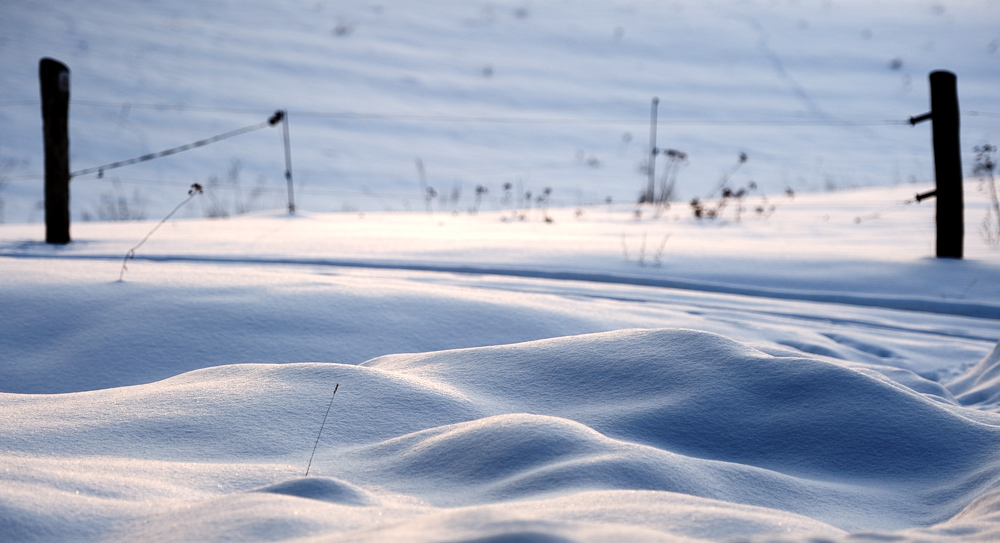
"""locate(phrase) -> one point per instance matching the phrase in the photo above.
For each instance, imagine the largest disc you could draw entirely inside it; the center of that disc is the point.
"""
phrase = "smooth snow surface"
(788, 378)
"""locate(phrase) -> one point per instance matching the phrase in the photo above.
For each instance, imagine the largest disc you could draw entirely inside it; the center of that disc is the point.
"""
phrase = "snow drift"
(623, 424)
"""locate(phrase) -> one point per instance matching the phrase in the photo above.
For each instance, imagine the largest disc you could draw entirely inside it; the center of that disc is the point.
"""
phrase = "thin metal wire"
(578, 121)
(501, 119)
(200, 143)
(898, 206)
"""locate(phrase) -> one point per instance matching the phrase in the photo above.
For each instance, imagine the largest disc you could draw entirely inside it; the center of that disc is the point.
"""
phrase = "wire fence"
(763, 118)
(99, 170)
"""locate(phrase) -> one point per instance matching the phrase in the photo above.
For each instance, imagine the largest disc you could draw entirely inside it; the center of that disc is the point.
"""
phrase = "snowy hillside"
(811, 373)
(537, 94)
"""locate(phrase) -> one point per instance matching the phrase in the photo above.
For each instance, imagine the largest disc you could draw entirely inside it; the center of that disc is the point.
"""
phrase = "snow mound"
(465, 436)
(323, 489)
(704, 395)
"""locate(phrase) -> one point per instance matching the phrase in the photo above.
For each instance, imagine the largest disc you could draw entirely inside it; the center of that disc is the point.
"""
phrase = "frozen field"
(797, 376)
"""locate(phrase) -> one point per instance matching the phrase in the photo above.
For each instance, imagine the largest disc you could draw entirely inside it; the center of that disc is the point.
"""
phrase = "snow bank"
(638, 433)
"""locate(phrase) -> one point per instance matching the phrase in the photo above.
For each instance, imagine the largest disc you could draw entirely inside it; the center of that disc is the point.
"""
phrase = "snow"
(517, 370)
(503, 380)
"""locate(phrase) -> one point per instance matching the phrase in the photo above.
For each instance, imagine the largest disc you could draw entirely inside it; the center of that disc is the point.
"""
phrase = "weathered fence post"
(944, 119)
(54, 78)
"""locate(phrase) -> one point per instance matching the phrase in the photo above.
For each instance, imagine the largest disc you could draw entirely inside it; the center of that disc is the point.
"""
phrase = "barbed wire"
(886, 208)
(99, 170)
(365, 192)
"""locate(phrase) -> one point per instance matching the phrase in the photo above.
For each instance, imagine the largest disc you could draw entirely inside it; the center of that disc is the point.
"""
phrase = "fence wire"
(402, 117)
(355, 115)
(99, 170)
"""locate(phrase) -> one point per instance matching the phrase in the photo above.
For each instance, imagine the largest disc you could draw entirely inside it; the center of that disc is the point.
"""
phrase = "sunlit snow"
(732, 387)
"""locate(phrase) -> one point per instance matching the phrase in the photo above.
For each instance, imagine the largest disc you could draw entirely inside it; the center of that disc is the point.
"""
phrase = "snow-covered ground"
(799, 375)
(806, 372)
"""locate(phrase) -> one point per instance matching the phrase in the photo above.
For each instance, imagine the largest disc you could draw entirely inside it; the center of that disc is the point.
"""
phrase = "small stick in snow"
(192, 192)
(321, 428)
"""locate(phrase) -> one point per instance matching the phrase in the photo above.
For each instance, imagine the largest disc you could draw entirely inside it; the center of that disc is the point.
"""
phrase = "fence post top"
(943, 74)
(51, 63)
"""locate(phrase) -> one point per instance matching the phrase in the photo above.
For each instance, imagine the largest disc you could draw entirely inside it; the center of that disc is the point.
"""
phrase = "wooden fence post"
(947, 164)
(54, 78)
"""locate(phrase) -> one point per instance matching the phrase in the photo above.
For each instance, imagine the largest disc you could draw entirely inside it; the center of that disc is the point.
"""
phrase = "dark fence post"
(54, 78)
(947, 164)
